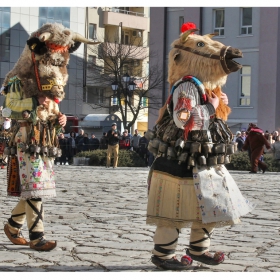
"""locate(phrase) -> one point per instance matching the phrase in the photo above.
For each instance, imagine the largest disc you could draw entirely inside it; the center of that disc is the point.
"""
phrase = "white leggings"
(166, 239)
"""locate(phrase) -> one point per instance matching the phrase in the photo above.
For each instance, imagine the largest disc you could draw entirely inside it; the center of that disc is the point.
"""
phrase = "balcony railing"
(116, 10)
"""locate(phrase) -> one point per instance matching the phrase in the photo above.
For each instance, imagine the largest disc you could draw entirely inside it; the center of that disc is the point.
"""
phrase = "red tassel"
(188, 127)
(183, 103)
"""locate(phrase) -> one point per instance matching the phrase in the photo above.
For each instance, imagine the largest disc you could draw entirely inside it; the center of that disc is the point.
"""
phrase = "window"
(125, 37)
(54, 14)
(246, 21)
(245, 77)
(5, 15)
(181, 21)
(94, 95)
(124, 69)
(148, 39)
(219, 22)
(92, 31)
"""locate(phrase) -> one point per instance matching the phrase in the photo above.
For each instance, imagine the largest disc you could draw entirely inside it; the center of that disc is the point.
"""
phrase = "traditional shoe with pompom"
(173, 263)
(43, 245)
(208, 258)
(16, 238)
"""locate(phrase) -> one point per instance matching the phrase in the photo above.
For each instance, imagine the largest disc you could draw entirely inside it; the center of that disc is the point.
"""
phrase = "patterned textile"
(188, 114)
(16, 103)
(36, 174)
(218, 196)
(172, 201)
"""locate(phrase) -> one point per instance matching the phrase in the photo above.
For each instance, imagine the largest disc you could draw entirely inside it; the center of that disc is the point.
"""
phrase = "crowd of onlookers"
(74, 144)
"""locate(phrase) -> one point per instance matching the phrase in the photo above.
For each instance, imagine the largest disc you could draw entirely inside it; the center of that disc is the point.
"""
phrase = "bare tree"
(113, 61)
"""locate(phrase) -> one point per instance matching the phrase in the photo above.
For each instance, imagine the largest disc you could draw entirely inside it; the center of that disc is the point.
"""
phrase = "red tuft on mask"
(187, 25)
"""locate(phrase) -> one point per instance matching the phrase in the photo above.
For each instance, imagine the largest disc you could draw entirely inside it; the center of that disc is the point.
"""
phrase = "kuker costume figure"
(33, 89)
(188, 182)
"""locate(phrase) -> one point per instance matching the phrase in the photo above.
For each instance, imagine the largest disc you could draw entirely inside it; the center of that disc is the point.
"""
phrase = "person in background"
(93, 143)
(239, 140)
(78, 138)
(143, 148)
(275, 135)
(71, 147)
(125, 141)
(83, 144)
(63, 144)
(103, 142)
(255, 141)
(135, 141)
(113, 136)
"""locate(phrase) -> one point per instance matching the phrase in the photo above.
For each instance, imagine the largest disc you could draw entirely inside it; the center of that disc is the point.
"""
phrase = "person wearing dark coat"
(255, 142)
(113, 136)
(71, 147)
(63, 144)
(143, 148)
(103, 143)
(93, 143)
(83, 144)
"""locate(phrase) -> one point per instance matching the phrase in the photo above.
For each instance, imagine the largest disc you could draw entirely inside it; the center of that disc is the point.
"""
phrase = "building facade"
(123, 28)
(253, 91)
(84, 94)
(17, 24)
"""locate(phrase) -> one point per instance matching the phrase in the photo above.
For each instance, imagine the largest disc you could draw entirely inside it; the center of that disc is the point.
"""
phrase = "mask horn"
(44, 36)
(185, 35)
(80, 38)
(212, 35)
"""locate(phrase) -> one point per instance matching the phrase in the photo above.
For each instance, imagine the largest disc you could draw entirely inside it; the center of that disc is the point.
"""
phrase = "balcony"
(133, 52)
(129, 19)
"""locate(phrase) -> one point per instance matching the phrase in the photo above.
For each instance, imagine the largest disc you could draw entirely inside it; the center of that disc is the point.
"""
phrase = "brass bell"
(182, 158)
(202, 160)
(179, 146)
(162, 148)
(220, 159)
(195, 147)
(150, 134)
(212, 160)
(191, 161)
(171, 153)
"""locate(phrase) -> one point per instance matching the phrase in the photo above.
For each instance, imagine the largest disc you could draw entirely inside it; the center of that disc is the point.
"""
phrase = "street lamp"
(128, 88)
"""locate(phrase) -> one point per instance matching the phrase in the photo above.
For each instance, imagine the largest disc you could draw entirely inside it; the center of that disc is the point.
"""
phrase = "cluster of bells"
(34, 150)
(193, 153)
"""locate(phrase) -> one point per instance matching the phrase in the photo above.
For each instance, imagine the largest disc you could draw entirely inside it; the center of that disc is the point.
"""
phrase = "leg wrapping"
(200, 237)
(165, 240)
(35, 216)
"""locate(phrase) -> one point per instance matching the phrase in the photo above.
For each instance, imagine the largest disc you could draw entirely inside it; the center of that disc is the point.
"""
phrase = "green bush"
(126, 158)
(240, 161)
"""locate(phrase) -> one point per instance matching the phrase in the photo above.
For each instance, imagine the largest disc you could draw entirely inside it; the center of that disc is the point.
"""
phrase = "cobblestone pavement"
(98, 219)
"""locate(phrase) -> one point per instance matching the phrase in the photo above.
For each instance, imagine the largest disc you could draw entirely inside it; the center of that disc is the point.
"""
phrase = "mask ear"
(176, 56)
(36, 46)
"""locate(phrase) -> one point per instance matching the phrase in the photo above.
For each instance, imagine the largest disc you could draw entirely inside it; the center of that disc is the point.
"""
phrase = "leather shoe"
(173, 263)
(16, 238)
(264, 170)
(43, 245)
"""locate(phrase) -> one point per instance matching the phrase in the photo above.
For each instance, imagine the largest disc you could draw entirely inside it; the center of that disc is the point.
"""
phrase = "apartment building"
(120, 30)
(253, 91)
(85, 94)
(16, 25)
